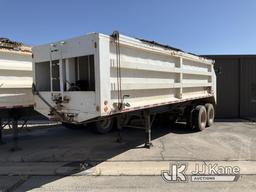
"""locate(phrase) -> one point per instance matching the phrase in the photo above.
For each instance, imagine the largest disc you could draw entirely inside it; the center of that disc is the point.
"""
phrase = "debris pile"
(6, 43)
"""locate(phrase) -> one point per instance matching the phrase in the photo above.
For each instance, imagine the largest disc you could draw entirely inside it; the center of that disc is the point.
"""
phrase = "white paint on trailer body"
(15, 79)
(74, 47)
(81, 102)
(151, 75)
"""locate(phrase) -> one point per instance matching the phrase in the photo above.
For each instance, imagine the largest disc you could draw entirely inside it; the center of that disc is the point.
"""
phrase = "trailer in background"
(16, 99)
(98, 79)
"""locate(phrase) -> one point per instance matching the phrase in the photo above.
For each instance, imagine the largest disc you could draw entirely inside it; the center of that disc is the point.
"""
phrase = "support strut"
(119, 134)
(148, 142)
(15, 135)
(1, 129)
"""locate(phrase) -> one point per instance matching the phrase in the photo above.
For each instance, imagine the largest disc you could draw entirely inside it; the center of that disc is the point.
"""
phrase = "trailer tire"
(210, 114)
(104, 126)
(199, 117)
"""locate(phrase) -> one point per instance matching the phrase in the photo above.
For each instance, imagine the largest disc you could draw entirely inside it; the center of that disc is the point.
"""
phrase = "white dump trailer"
(101, 78)
(15, 78)
(16, 98)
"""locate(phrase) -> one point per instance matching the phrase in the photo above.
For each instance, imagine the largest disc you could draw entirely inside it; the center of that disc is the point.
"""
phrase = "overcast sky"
(198, 26)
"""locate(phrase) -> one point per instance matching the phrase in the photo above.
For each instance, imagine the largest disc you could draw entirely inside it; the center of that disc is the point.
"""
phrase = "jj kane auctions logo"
(202, 172)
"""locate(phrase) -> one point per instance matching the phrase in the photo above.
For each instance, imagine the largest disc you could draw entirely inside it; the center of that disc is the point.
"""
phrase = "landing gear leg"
(148, 142)
(119, 135)
(15, 135)
(1, 129)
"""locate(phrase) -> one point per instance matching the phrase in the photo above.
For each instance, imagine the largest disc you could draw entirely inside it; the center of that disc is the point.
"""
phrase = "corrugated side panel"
(15, 80)
(151, 78)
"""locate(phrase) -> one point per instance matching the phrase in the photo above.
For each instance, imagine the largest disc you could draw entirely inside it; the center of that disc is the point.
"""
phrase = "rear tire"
(199, 118)
(104, 126)
(210, 114)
